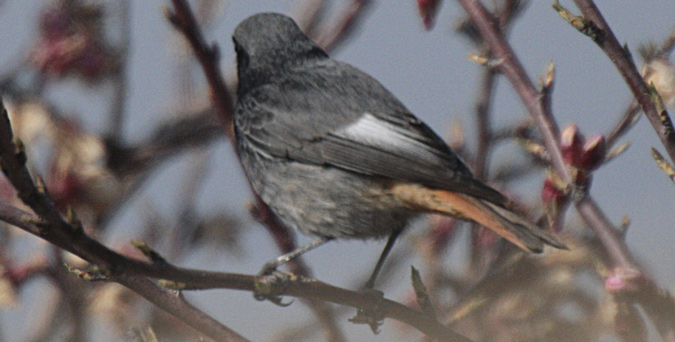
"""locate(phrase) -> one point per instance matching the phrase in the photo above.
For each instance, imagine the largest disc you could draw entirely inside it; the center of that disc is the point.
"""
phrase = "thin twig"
(531, 97)
(486, 138)
(622, 59)
(628, 119)
(51, 226)
(173, 303)
(130, 272)
(509, 65)
(184, 21)
(331, 37)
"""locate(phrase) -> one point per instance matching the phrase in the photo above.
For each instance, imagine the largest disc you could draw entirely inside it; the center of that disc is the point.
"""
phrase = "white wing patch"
(369, 129)
(375, 132)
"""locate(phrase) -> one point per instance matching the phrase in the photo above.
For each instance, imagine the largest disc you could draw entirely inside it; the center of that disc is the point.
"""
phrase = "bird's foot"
(373, 314)
(269, 268)
(269, 285)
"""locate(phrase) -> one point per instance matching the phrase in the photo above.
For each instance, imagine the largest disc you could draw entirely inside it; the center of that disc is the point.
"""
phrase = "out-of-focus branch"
(184, 21)
(190, 130)
(486, 139)
(119, 74)
(69, 235)
(308, 13)
(483, 123)
(331, 37)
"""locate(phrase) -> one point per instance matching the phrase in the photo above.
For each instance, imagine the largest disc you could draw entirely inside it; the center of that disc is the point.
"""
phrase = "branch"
(628, 120)
(331, 37)
(507, 63)
(131, 273)
(51, 226)
(611, 240)
(68, 235)
(174, 304)
(119, 75)
(622, 59)
(301, 287)
(188, 131)
(184, 21)
(486, 135)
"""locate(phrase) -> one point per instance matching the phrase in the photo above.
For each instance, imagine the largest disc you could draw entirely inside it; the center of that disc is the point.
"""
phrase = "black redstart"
(336, 155)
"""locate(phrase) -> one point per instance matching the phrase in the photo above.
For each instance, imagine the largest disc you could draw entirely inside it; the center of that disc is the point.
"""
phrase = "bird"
(336, 155)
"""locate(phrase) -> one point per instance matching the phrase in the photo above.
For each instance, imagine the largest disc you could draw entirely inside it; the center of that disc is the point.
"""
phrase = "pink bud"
(624, 279)
(66, 188)
(428, 10)
(93, 63)
(55, 23)
(552, 193)
(614, 283)
(571, 143)
(549, 192)
(593, 153)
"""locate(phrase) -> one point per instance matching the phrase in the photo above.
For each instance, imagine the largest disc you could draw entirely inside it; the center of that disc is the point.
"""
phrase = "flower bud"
(428, 10)
(594, 152)
(571, 144)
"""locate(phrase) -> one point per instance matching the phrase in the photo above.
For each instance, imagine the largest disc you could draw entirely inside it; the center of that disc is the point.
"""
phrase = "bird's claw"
(269, 286)
(268, 268)
(372, 315)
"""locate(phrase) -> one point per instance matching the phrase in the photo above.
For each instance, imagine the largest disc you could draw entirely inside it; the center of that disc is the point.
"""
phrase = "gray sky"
(430, 73)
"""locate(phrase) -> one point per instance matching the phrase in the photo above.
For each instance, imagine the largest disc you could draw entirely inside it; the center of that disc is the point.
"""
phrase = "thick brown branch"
(130, 273)
(50, 225)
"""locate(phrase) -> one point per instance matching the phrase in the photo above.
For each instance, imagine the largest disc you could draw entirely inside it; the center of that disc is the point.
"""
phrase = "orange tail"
(498, 219)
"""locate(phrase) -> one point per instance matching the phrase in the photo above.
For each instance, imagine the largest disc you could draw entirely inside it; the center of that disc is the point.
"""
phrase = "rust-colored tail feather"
(498, 219)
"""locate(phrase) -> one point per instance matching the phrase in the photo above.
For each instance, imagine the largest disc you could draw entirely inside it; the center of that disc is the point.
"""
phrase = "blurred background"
(117, 118)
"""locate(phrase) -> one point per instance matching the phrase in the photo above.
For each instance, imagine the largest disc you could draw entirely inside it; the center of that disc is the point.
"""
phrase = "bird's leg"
(272, 265)
(271, 282)
(373, 316)
(370, 284)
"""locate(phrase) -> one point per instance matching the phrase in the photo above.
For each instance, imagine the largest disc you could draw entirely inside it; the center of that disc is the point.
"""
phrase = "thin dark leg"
(272, 265)
(387, 248)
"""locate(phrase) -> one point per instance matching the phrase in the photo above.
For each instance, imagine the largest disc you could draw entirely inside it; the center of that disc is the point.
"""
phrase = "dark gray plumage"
(323, 143)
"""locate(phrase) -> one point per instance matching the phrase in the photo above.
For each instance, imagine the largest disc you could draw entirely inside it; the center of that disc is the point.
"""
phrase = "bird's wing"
(316, 126)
